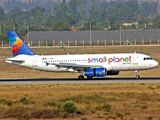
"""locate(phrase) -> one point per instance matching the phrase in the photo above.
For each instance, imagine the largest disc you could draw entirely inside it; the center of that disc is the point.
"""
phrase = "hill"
(28, 4)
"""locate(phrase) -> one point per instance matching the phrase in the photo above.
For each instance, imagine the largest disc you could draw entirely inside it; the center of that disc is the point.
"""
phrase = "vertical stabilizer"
(18, 47)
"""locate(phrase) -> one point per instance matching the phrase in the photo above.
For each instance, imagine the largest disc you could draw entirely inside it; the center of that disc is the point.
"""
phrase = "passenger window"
(147, 58)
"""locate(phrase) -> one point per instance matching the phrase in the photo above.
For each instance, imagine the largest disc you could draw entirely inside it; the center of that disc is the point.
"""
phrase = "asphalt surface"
(109, 80)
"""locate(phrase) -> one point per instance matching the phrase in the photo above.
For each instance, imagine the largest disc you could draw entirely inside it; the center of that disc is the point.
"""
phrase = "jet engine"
(99, 72)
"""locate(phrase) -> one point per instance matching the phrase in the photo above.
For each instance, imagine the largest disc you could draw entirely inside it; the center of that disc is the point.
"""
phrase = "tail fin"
(17, 45)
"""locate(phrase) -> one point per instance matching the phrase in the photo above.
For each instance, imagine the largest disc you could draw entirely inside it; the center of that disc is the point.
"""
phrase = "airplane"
(90, 65)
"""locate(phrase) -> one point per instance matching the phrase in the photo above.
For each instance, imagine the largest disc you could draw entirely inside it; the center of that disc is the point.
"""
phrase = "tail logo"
(16, 44)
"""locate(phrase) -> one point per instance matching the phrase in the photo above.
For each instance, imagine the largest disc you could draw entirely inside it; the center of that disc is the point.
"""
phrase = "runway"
(106, 80)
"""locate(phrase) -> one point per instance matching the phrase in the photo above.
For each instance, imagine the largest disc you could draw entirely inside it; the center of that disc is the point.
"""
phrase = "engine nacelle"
(112, 72)
(99, 72)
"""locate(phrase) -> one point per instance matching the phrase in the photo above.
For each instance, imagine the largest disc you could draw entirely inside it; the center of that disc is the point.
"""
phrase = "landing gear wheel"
(89, 78)
(137, 76)
(80, 77)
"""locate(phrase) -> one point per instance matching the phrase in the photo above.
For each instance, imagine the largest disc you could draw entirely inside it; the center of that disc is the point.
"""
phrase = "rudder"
(18, 47)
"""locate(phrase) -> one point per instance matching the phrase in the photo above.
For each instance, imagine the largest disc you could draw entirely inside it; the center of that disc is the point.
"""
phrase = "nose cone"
(155, 63)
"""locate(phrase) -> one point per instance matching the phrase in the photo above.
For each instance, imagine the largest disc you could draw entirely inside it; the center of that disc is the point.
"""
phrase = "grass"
(90, 101)
(13, 71)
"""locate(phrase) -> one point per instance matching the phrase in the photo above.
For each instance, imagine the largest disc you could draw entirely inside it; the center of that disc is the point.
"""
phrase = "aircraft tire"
(137, 76)
(80, 77)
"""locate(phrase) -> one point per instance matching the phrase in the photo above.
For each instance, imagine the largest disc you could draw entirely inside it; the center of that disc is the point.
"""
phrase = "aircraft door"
(35, 62)
(135, 59)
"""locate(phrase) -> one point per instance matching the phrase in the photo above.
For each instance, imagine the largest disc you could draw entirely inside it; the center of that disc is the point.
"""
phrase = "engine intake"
(99, 72)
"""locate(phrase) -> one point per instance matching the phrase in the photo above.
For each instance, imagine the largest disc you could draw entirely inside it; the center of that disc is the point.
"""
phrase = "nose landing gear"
(137, 76)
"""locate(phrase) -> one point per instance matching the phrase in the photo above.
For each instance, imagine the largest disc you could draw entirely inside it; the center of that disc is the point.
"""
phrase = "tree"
(144, 8)
(61, 25)
(106, 5)
(110, 12)
(2, 15)
(94, 10)
(38, 8)
(111, 19)
(103, 16)
(61, 11)
(83, 9)
(24, 30)
(13, 17)
(38, 17)
(153, 9)
(72, 20)
(125, 11)
(149, 9)
(158, 22)
(48, 23)
(64, 1)
(73, 5)
(52, 8)
(16, 10)
(26, 17)
(142, 22)
(4, 39)
(36, 28)
(87, 25)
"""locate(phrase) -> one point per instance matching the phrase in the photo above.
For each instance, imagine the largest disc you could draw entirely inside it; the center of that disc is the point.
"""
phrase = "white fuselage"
(112, 62)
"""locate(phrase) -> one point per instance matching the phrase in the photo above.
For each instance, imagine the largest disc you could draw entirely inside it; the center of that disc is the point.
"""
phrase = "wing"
(75, 67)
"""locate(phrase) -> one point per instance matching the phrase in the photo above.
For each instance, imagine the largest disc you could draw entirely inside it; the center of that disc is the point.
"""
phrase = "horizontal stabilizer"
(13, 60)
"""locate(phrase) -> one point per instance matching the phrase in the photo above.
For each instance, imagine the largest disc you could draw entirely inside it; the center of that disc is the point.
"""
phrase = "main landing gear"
(80, 77)
(137, 76)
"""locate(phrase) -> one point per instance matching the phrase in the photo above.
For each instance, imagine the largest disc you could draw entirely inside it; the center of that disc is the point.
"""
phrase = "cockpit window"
(148, 58)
